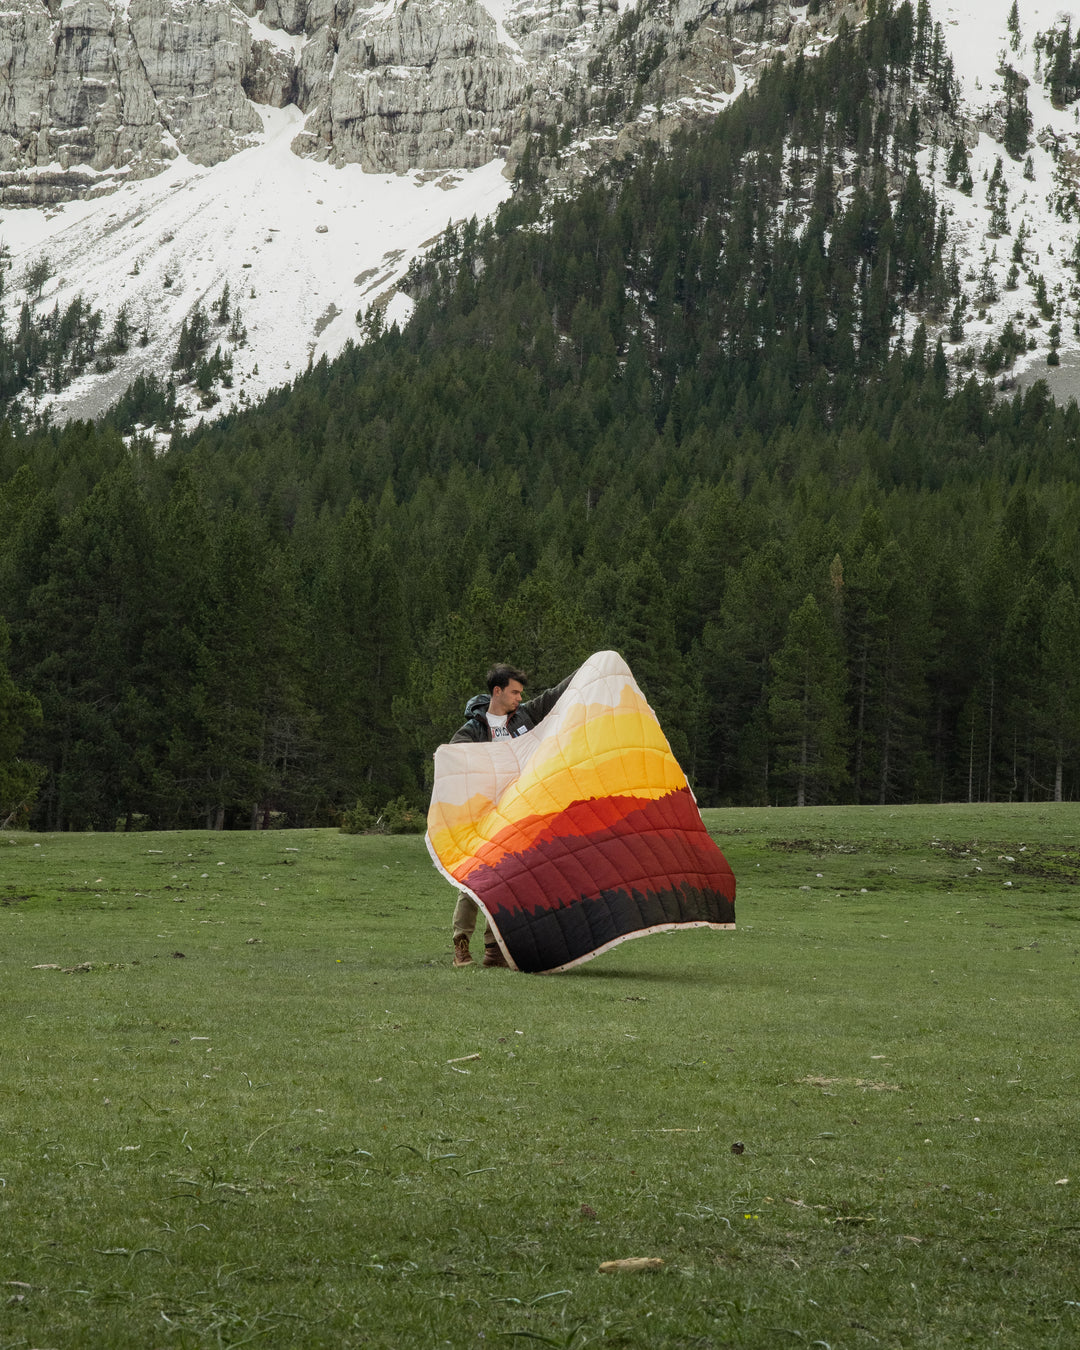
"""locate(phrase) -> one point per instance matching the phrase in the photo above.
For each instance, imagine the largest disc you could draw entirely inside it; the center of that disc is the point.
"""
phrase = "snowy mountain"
(301, 245)
(302, 155)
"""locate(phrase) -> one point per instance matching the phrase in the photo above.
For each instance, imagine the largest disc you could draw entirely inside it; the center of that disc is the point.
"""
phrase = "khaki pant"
(466, 913)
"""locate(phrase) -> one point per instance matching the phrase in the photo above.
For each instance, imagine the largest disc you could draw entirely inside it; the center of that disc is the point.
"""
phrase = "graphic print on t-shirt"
(497, 723)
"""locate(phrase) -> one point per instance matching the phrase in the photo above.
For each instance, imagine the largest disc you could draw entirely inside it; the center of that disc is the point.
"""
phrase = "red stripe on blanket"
(600, 845)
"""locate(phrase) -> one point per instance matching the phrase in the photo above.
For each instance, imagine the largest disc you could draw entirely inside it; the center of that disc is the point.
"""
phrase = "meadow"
(245, 1098)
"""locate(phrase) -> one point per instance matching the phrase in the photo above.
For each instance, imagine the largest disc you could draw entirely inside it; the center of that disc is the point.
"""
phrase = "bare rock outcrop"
(117, 92)
(195, 55)
(95, 91)
(427, 86)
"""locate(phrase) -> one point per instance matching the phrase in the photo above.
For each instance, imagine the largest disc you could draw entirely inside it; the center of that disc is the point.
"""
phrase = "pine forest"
(698, 412)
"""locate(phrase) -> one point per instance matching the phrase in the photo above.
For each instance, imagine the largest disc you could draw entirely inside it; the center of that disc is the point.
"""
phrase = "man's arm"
(469, 732)
(538, 708)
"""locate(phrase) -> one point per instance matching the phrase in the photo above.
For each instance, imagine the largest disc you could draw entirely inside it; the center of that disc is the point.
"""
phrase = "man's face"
(506, 699)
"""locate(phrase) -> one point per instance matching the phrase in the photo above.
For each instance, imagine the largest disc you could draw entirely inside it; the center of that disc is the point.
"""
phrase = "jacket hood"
(477, 705)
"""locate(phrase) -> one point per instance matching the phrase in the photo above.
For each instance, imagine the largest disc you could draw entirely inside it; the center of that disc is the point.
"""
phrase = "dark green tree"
(806, 709)
(359, 662)
(20, 779)
(82, 644)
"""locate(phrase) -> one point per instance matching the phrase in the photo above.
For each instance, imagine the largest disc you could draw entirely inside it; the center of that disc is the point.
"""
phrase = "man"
(495, 716)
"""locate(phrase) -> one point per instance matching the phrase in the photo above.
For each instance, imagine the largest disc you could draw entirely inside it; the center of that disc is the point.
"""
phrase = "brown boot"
(461, 951)
(493, 955)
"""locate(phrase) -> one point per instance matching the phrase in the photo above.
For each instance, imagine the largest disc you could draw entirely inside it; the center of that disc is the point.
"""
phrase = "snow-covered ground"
(302, 246)
(978, 39)
(977, 35)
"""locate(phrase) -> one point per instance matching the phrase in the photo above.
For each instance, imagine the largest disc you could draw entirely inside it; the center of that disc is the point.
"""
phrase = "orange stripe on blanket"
(579, 820)
(617, 754)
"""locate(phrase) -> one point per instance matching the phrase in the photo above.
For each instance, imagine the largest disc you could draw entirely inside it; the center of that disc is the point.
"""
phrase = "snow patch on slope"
(302, 245)
(979, 42)
(976, 34)
(277, 37)
(499, 9)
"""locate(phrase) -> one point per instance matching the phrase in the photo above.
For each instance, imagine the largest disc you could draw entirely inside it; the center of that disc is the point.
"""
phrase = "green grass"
(267, 1140)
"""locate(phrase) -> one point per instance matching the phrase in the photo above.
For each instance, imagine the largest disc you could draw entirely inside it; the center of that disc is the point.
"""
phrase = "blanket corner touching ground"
(583, 833)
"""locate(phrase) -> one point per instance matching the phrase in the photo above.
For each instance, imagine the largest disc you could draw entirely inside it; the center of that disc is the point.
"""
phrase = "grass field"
(245, 1099)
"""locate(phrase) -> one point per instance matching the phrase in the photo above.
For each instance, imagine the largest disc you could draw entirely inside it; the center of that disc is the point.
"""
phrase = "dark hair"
(498, 677)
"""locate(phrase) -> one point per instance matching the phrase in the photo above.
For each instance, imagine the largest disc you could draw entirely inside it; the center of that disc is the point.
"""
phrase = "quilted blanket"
(580, 834)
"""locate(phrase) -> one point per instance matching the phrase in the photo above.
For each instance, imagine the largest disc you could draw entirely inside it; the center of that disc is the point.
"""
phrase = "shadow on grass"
(590, 971)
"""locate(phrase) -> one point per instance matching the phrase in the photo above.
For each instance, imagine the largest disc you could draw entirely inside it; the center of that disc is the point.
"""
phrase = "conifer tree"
(1018, 121)
(1059, 74)
(806, 708)
(957, 162)
(234, 675)
(20, 778)
(359, 663)
(83, 644)
(1061, 660)
(1012, 23)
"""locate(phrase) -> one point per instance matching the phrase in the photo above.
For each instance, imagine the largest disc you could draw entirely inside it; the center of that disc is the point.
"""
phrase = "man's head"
(505, 684)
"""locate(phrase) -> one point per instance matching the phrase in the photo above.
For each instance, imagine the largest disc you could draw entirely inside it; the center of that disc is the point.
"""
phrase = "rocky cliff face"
(660, 66)
(95, 91)
(412, 85)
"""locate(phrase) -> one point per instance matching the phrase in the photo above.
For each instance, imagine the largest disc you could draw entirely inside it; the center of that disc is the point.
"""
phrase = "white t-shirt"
(497, 723)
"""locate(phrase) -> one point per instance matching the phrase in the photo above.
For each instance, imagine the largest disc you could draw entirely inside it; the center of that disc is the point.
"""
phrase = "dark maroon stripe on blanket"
(539, 942)
(660, 845)
(569, 894)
